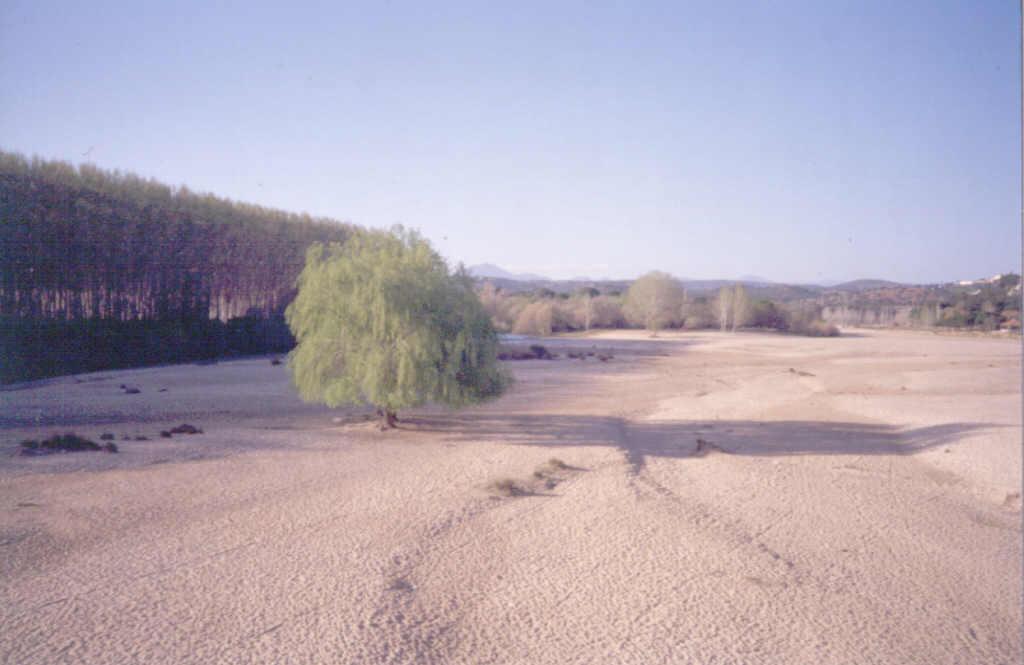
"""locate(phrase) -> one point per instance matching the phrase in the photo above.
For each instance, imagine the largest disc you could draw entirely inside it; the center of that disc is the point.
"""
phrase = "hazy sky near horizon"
(797, 141)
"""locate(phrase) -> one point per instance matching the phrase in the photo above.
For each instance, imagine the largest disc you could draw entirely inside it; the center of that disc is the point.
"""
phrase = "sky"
(793, 141)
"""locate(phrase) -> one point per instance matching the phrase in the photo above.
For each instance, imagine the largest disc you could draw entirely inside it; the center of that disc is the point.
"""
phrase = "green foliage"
(380, 320)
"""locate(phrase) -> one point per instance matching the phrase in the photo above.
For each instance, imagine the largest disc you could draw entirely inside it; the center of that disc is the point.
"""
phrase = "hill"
(496, 272)
(859, 285)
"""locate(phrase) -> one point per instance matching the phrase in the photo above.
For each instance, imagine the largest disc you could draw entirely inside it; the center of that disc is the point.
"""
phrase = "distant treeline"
(97, 264)
(991, 304)
(655, 301)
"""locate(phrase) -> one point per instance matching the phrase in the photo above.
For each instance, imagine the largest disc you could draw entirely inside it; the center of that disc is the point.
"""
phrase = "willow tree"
(380, 320)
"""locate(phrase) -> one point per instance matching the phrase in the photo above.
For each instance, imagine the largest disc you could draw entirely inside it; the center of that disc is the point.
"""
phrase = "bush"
(806, 320)
(63, 443)
(540, 352)
(766, 314)
(697, 314)
(534, 352)
(818, 329)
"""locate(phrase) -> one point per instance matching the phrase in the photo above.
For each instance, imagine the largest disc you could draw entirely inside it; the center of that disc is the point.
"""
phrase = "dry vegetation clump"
(63, 443)
(556, 464)
(506, 487)
(185, 428)
(807, 321)
(534, 352)
(822, 329)
(547, 476)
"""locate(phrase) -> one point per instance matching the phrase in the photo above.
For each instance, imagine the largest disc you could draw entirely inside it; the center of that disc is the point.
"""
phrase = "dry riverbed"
(716, 498)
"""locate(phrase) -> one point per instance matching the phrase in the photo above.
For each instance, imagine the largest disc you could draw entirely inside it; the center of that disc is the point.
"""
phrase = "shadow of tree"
(678, 439)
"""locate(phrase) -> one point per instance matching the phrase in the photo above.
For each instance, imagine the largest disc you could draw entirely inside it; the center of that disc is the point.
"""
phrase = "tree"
(740, 307)
(724, 306)
(654, 301)
(379, 320)
(584, 314)
(535, 319)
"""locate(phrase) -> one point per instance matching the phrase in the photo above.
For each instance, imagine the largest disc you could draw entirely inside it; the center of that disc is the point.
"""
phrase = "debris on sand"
(540, 352)
(131, 390)
(275, 361)
(704, 447)
(106, 436)
(533, 352)
(546, 476)
(63, 443)
(184, 428)
(799, 372)
(506, 487)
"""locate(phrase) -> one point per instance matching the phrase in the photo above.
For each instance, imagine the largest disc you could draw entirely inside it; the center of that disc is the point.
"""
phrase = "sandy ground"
(852, 500)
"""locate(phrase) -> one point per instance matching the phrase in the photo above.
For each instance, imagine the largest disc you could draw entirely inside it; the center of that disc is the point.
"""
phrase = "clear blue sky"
(792, 140)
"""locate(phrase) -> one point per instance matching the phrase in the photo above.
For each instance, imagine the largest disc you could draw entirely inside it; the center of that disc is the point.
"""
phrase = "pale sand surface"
(861, 508)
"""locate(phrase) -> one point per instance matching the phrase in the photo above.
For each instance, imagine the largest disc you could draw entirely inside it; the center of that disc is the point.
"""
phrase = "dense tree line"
(97, 263)
(84, 243)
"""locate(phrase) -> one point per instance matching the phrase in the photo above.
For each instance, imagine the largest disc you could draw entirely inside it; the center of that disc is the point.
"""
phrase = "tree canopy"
(380, 320)
(654, 301)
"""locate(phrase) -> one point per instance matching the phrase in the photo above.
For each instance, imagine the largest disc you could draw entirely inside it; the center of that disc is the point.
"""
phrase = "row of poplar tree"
(82, 242)
(100, 268)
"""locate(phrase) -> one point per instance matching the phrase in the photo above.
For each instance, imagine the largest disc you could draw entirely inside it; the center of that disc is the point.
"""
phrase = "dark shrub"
(540, 352)
(59, 443)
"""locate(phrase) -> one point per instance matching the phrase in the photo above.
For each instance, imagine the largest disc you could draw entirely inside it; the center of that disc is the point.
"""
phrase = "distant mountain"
(754, 279)
(491, 270)
(858, 285)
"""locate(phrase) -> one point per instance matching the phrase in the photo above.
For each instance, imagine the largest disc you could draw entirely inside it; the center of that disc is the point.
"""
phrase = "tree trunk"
(388, 419)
